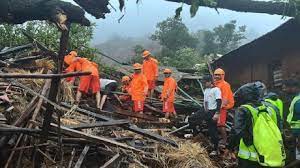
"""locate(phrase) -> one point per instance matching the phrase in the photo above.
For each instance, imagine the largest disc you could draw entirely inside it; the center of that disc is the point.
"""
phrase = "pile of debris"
(81, 136)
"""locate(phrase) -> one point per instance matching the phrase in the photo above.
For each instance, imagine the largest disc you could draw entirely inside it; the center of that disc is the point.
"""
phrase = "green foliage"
(185, 58)
(223, 38)
(49, 35)
(178, 12)
(194, 7)
(137, 58)
(173, 34)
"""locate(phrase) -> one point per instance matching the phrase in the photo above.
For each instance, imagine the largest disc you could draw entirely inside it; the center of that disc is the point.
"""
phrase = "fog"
(140, 19)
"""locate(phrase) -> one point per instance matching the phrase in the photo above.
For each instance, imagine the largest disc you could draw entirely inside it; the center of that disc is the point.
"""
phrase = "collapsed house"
(82, 136)
(271, 58)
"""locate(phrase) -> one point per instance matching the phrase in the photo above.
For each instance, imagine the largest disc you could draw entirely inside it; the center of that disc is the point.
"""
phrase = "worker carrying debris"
(227, 103)
(291, 87)
(150, 70)
(138, 88)
(91, 82)
(259, 138)
(107, 86)
(168, 94)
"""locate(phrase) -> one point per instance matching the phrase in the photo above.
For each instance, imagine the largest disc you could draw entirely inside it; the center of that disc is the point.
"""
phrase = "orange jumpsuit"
(150, 70)
(138, 91)
(125, 89)
(86, 82)
(227, 100)
(168, 95)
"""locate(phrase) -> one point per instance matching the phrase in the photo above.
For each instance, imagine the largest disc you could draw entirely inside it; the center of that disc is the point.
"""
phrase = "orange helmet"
(137, 66)
(167, 71)
(219, 71)
(69, 59)
(146, 53)
(125, 78)
(74, 53)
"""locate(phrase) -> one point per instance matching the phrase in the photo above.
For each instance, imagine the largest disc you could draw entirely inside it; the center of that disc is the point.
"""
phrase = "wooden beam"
(132, 128)
(100, 124)
(253, 6)
(72, 157)
(16, 49)
(123, 113)
(18, 130)
(43, 76)
(82, 156)
(95, 139)
(113, 162)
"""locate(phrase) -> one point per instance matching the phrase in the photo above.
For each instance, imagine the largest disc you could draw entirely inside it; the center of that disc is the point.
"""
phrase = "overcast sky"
(141, 19)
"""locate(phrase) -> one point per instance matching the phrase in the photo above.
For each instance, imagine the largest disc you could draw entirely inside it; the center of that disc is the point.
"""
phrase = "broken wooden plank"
(123, 113)
(113, 162)
(93, 138)
(132, 128)
(43, 76)
(72, 157)
(25, 59)
(39, 44)
(16, 49)
(82, 156)
(18, 130)
(100, 124)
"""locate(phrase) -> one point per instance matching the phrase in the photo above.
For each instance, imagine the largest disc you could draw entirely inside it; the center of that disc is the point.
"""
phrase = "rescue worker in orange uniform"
(86, 82)
(168, 94)
(138, 88)
(150, 70)
(227, 103)
(126, 98)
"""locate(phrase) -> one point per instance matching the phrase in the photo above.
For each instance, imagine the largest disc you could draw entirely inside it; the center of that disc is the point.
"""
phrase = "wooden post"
(53, 94)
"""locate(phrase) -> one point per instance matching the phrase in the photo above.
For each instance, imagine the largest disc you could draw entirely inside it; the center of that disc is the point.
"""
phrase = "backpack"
(267, 139)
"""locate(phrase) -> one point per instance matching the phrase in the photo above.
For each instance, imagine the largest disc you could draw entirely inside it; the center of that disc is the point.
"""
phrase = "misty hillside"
(121, 48)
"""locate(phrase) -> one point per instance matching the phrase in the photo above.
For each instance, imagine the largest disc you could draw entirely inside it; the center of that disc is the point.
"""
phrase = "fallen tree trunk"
(253, 6)
(17, 12)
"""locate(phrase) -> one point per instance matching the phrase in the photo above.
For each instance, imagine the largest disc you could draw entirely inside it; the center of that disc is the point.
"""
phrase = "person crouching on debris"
(138, 88)
(125, 98)
(86, 82)
(107, 86)
(212, 105)
(168, 94)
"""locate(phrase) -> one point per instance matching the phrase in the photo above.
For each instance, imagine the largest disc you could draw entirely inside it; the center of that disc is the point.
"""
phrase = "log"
(253, 6)
(82, 156)
(17, 12)
(101, 124)
(95, 139)
(15, 49)
(113, 162)
(43, 76)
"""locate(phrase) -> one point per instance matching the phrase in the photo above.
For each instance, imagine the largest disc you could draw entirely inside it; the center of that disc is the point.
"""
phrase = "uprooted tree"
(15, 11)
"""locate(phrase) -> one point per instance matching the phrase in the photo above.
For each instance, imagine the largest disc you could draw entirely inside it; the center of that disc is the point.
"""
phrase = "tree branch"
(278, 8)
